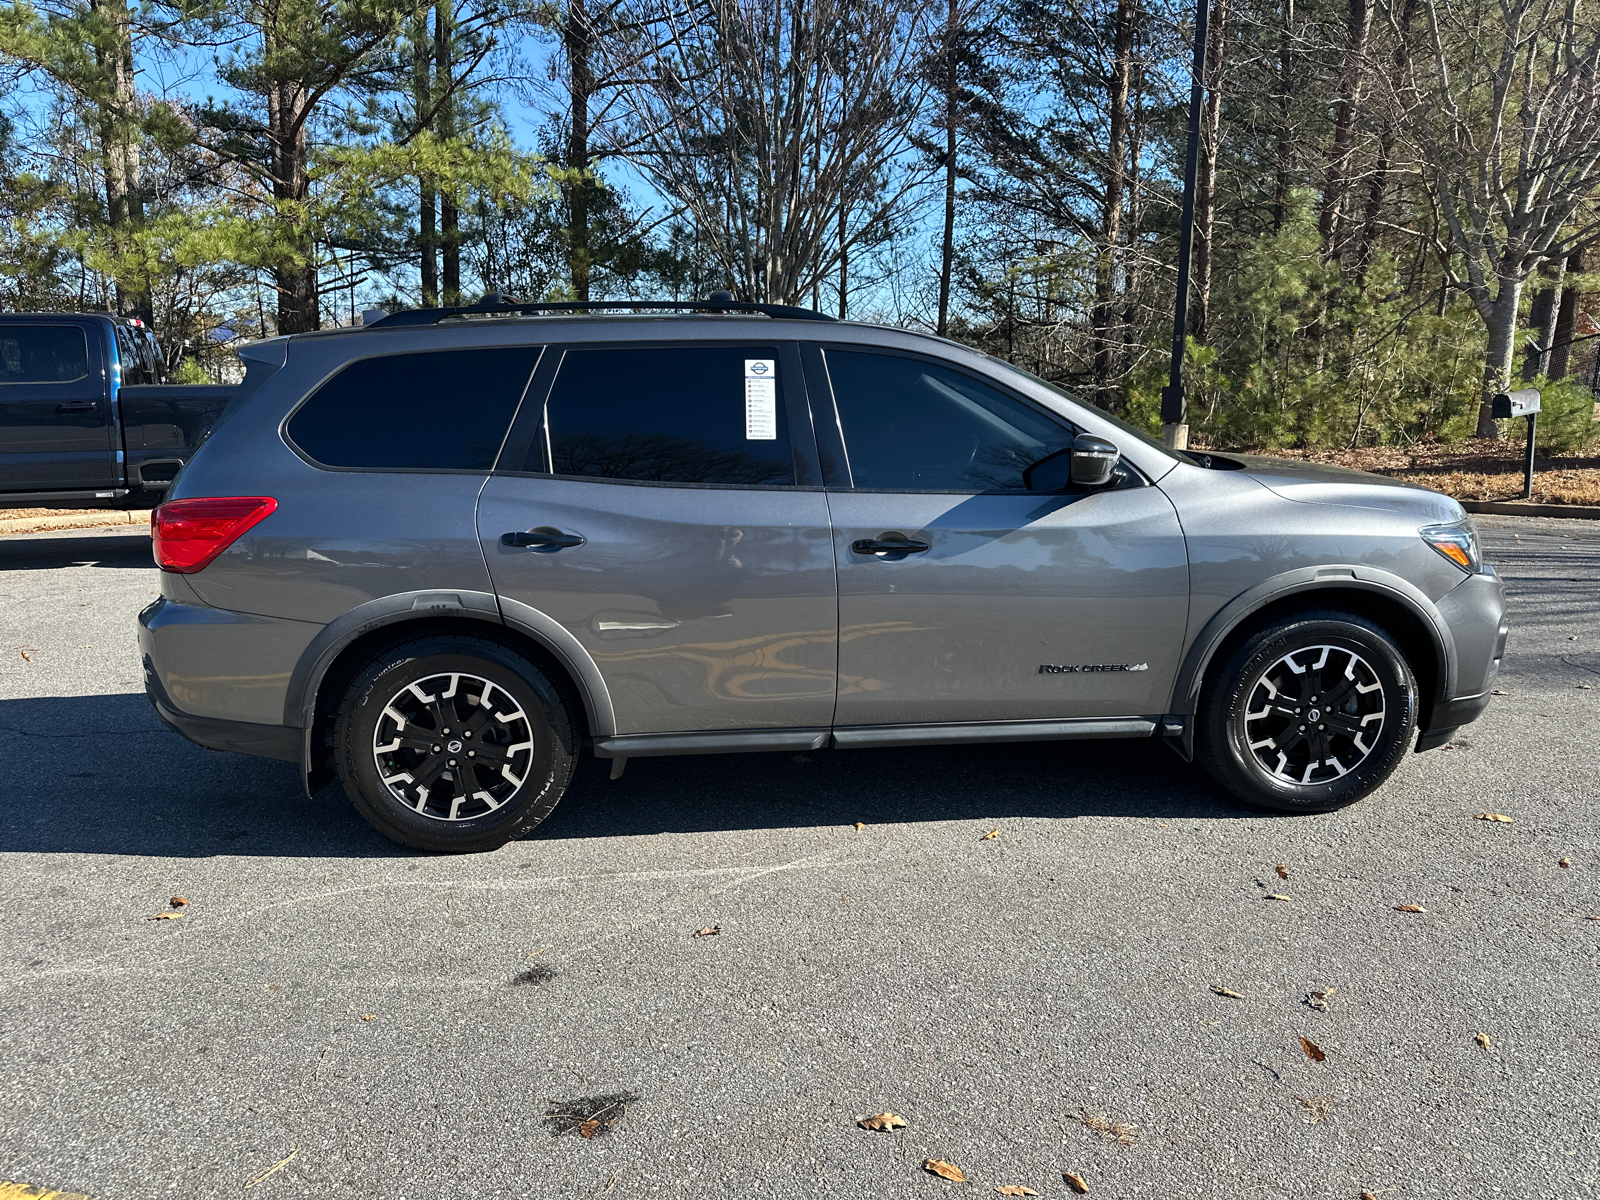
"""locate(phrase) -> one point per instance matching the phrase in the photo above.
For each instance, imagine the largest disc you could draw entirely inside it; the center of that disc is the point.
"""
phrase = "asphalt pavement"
(334, 1016)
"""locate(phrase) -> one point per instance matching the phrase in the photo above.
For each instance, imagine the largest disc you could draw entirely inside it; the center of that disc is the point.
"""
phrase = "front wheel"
(454, 744)
(1308, 715)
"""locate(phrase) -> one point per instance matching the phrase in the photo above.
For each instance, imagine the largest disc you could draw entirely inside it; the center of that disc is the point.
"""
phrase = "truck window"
(43, 353)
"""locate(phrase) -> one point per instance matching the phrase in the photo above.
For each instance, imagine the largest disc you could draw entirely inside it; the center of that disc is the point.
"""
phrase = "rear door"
(662, 503)
(56, 426)
(1005, 604)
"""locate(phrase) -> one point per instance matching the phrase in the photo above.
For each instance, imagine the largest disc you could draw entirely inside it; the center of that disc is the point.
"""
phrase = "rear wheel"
(1308, 715)
(454, 744)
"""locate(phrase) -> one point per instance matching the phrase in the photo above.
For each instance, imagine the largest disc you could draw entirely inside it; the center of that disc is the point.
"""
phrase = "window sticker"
(760, 400)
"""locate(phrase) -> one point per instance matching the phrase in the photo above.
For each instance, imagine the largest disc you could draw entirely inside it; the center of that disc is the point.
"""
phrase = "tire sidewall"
(1234, 760)
(548, 719)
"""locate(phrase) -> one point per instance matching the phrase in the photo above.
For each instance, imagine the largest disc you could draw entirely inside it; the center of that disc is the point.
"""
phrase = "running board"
(851, 737)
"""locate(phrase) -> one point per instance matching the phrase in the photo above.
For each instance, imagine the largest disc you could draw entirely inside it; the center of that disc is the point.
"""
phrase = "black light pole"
(1173, 405)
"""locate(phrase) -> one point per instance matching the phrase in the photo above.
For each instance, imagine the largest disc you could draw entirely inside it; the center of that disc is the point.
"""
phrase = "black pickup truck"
(84, 420)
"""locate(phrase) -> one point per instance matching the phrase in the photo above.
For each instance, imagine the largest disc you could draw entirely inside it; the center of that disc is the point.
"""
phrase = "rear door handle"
(543, 538)
(889, 543)
(76, 407)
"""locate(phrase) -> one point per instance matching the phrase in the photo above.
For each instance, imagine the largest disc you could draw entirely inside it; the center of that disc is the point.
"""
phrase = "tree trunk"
(427, 202)
(296, 275)
(844, 265)
(1280, 190)
(449, 232)
(1566, 322)
(1501, 320)
(1351, 77)
(119, 147)
(577, 38)
(1542, 320)
(947, 245)
(1205, 192)
(1103, 316)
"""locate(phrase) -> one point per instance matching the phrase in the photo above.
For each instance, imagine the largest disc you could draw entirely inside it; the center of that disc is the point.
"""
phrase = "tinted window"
(447, 409)
(912, 424)
(674, 414)
(43, 353)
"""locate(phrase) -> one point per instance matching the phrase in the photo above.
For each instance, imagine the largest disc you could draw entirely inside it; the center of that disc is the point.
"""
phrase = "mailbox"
(1523, 402)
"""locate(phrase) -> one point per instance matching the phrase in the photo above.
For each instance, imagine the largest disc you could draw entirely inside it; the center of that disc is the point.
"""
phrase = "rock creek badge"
(1090, 668)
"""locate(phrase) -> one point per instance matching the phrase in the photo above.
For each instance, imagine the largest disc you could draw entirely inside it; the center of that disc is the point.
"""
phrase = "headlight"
(1458, 543)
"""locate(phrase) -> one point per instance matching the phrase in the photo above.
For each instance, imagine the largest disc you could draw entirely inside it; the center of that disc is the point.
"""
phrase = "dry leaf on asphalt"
(166, 916)
(1368, 1196)
(1319, 1000)
(1076, 1182)
(882, 1121)
(1501, 817)
(177, 902)
(1317, 1107)
(1222, 991)
(1483, 1040)
(1409, 908)
(708, 931)
(1283, 871)
(1015, 1189)
(1565, 862)
(1313, 1051)
(587, 1128)
(944, 1170)
(990, 836)
(24, 654)
(1275, 896)
(860, 825)
(369, 1016)
(1110, 1131)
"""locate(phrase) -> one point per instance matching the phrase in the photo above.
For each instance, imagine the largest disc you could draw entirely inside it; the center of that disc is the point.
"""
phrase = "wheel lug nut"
(452, 762)
(1302, 729)
(436, 749)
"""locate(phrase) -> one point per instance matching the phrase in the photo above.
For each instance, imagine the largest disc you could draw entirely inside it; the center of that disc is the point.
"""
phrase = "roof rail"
(432, 316)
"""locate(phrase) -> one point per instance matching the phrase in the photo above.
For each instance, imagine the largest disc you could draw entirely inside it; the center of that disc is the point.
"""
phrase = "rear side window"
(439, 410)
(914, 425)
(43, 353)
(670, 414)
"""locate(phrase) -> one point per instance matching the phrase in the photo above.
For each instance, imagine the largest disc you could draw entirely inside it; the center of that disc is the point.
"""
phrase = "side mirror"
(1089, 462)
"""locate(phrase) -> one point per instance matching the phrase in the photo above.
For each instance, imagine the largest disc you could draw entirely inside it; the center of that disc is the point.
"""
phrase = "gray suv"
(437, 556)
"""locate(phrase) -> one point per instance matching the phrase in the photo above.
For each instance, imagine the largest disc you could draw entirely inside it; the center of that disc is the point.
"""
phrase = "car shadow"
(130, 548)
(101, 775)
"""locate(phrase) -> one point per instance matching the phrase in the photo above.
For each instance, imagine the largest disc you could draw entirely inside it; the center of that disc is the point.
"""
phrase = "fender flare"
(305, 681)
(1307, 581)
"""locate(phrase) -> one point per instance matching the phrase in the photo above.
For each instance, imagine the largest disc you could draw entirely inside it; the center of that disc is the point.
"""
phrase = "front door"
(667, 511)
(56, 429)
(964, 597)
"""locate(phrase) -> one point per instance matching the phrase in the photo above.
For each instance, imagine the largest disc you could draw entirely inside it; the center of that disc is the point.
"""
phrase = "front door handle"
(543, 538)
(78, 406)
(896, 544)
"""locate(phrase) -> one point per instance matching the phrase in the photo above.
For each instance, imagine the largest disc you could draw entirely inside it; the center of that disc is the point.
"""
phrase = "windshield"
(1099, 412)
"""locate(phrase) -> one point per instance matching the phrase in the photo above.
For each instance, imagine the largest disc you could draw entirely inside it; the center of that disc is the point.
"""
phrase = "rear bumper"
(243, 737)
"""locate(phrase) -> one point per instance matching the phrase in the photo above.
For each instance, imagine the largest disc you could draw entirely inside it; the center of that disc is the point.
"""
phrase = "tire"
(1274, 686)
(442, 791)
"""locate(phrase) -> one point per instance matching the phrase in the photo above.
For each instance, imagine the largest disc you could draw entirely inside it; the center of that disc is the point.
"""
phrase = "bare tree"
(1505, 112)
(782, 129)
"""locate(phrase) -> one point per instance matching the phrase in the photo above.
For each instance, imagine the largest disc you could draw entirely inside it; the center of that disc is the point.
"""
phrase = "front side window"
(43, 353)
(709, 415)
(914, 425)
(438, 410)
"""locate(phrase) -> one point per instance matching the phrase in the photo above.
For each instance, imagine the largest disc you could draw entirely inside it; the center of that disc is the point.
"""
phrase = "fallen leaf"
(24, 654)
(587, 1128)
(1275, 896)
(944, 1170)
(1368, 1196)
(1110, 1131)
(1015, 1189)
(369, 1016)
(1501, 817)
(1565, 862)
(166, 916)
(1317, 1107)
(1076, 1182)
(1585, 687)
(860, 825)
(1313, 1051)
(708, 931)
(1483, 1040)
(990, 836)
(1283, 871)
(882, 1121)
(1409, 908)
(177, 902)
(1229, 992)
(1319, 1000)
(1498, 692)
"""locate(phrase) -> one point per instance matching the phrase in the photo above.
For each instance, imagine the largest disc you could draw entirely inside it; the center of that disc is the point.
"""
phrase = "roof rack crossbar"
(432, 316)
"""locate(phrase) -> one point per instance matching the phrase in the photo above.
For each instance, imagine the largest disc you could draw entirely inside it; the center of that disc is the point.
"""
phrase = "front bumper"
(1475, 611)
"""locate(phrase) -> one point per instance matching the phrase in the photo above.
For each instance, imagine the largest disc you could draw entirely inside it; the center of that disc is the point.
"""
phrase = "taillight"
(188, 534)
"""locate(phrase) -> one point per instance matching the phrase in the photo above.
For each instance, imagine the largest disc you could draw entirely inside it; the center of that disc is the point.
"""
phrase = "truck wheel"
(1308, 715)
(454, 744)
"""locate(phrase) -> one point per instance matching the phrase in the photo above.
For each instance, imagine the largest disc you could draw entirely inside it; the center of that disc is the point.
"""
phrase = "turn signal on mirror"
(188, 534)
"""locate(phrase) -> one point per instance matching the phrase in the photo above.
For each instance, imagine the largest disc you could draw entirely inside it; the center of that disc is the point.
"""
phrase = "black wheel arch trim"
(305, 681)
(1308, 582)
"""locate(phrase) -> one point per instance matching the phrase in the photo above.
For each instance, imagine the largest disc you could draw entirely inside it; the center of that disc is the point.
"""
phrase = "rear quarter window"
(441, 410)
(43, 354)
